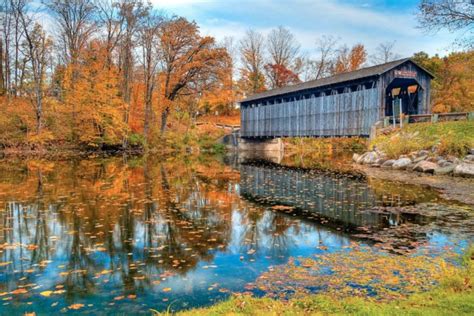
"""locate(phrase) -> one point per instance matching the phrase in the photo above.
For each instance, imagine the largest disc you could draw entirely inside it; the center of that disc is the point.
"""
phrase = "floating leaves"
(46, 293)
(362, 272)
(76, 306)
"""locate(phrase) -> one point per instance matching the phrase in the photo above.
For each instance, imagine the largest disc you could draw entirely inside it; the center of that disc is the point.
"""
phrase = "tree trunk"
(164, 119)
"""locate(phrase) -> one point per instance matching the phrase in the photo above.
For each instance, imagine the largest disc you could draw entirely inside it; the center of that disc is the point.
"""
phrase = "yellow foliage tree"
(95, 99)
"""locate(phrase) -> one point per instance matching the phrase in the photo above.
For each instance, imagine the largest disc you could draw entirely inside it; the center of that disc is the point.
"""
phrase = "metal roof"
(339, 78)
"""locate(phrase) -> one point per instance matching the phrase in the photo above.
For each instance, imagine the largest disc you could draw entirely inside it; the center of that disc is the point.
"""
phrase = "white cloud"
(309, 19)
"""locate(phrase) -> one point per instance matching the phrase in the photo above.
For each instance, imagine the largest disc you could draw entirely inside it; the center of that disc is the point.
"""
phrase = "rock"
(359, 160)
(401, 163)
(420, 158)
(464, 170)
(469, 158)
(443, 170)
(388, 163)
(471, 152)
(370, 158)
(454, 160)
(355, 157)
(441, 162)
(403, 156)
(446, 164)
(432, 159)
(425, 166)
(423, 153)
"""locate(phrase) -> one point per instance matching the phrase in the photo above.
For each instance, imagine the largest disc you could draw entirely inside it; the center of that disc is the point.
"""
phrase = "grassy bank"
(447, 138)
(454, 296)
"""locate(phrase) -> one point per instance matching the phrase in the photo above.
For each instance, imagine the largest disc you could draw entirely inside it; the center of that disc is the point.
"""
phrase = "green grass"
(449, 138)
(454, 296)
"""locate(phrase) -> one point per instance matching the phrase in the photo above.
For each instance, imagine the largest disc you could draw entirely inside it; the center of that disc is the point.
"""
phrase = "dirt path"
(451, 188)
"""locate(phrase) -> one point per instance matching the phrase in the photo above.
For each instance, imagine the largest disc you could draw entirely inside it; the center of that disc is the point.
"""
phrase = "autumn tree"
(281, 76)
(453, 85)
(349, 59)
(96, 97)
(187, 57)
(385, 53)
(75, 26)
(252, 60)
(112, 22)
(37, 48)
(285, 62)
(149, 42)
(453, 15)
(321, 66)
(131, 12)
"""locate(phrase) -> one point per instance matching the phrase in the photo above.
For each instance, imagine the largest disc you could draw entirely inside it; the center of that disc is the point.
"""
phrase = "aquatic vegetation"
(361, 272)
(453, 296)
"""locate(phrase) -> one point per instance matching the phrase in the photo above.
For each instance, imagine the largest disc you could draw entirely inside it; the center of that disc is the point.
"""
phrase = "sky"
(369, 22)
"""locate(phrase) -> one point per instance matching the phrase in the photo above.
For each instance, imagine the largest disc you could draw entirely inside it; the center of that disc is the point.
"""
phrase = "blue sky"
(369, 22)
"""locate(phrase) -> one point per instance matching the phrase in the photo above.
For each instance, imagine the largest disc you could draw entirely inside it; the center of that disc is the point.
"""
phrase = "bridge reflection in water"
(338, 199)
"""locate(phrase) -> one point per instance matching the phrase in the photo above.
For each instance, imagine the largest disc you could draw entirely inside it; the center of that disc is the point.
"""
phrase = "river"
(126, 235)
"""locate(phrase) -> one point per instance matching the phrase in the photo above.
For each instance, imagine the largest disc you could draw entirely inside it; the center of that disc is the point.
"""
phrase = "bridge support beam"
(255, 145)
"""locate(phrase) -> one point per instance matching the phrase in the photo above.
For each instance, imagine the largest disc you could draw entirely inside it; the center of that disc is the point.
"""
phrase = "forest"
(123, 74)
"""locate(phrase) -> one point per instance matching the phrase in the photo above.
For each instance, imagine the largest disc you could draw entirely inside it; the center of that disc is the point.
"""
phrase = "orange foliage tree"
(187, 59)
(350, 59)
(453, 85)
(95, 98)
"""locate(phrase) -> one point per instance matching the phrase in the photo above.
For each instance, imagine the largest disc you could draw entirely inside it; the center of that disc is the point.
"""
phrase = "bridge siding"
(325, 112)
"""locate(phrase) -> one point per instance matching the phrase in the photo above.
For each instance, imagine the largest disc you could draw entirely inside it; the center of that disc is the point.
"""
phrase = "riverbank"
(453, 296)
(450, 188)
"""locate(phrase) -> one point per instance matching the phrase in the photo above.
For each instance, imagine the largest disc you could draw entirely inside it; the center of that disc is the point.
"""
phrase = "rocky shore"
(423, 161)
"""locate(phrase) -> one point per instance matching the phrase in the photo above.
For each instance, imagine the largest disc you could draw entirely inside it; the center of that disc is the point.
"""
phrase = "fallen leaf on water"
(2, 264)
(46, 293)
(132, 296)
(76, 306)
(166, 289)
(118, 298)
(19, 291)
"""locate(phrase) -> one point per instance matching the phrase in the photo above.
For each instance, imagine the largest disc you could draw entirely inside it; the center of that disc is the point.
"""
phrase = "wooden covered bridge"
(347, 104)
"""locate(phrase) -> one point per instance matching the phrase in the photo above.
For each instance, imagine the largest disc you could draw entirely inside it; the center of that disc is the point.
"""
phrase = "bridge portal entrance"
(402, 96)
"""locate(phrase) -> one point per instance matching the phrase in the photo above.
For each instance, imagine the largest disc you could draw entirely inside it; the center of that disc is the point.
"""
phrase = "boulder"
(464, 170)
(469, 158)
(388, 163)
(425, 166)
(361, 157)
(370, 158)
(442, 162)
(401, 163)
(355, 157)
(420, 158)
(423, 153)
(471, 151)
(446, 164)
(443, 170)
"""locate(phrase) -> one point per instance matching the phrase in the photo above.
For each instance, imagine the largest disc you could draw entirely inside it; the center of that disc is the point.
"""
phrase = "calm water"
(113, 235)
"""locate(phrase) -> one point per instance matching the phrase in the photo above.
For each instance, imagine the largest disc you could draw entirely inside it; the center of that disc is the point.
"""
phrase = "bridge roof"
(339, 78)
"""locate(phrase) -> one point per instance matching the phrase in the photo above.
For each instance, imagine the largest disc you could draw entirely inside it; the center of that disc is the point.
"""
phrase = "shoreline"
(450, 188)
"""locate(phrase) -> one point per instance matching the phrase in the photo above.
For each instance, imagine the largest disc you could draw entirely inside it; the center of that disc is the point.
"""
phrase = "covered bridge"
(347, 104)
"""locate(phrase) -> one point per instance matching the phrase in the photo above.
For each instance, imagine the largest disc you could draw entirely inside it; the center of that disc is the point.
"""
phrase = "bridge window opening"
(402, 96)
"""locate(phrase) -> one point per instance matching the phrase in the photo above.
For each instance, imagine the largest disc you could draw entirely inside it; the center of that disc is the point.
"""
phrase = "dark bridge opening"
(402, 96)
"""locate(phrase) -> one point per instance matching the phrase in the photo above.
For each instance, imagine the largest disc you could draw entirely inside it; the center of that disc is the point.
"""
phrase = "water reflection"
(103, 235)
(337, 198)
